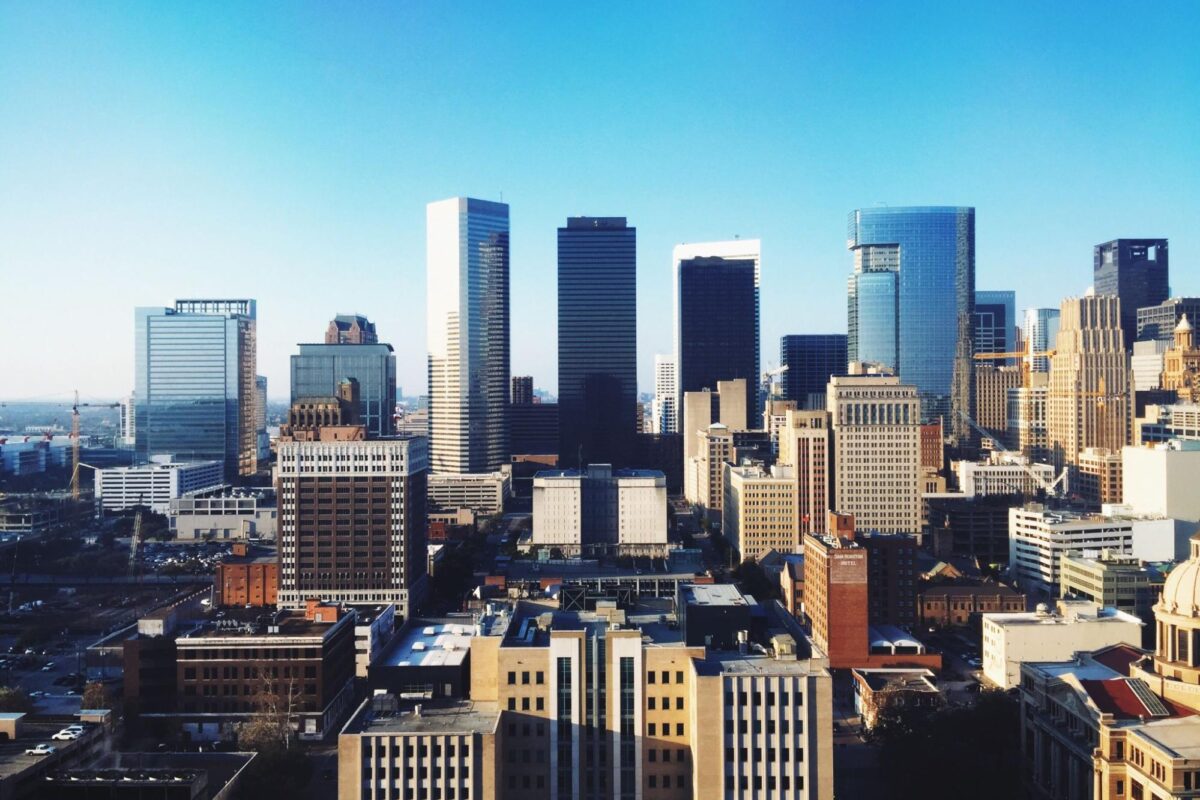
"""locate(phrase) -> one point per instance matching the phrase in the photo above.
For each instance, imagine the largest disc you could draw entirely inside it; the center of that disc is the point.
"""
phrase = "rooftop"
(262, 624)
(914, 680)
(428, 717)
(424, 643)
(1103, 615)
(714, 594)
(1180, 736)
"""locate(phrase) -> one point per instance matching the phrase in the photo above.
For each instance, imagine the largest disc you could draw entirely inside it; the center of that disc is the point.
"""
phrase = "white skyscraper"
(467, 261)
(666, 395)
(128, 437)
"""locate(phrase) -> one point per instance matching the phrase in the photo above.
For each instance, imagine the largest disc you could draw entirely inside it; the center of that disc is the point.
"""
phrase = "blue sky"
(286, 151)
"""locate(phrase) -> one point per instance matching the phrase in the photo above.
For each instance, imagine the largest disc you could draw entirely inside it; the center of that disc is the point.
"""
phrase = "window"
(525, 677)
(650, 729)
(679, 729)
(679, 676)
(512, 679)
(679, 703)
(541, 677)
(653, 755)
(541, 704)
(650, 676)
(650, 703)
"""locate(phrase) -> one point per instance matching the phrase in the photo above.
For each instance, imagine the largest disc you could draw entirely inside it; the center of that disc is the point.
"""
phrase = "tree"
(754, 581)
(14, 700)
(280, 769)
(95, 695)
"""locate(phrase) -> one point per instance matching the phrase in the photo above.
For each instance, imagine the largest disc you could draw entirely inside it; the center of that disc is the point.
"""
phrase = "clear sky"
(286, 152)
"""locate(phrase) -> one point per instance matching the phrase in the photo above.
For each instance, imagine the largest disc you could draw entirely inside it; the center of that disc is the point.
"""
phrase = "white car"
(66, 735)
(40, 750)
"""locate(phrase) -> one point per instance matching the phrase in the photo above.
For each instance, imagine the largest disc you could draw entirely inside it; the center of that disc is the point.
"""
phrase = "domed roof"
(1184, 325)
(1181, 592)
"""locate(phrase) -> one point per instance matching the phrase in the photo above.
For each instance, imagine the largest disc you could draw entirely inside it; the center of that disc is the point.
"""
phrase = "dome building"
(1173, 671)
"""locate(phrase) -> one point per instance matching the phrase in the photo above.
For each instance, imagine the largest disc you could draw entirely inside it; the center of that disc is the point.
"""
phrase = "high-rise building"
(875, 426)
(717, 317)
(666, 395)
(601, 511)
(194, 388)
(804, 447)
(522, 390)
(260, 419)
(995, 322)
(352, 521)
(318, 369)
(467, 260)
(350, 329)
(991, 396)
(1135, 270)
(1088, 400)
(1158, 322)
(1027, 418)
(811, 360)
(759, 510)
(1041, 333)
(597, 341)
(128, 437)
(910, 301)
(700, 411)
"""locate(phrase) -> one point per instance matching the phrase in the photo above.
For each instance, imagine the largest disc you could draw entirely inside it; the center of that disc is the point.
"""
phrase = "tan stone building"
(1088, 402)
(1098, 475)
(1181, 364)
(804, 447)
(991, 397)
(759, 512)
(701, 410)
(875, 424)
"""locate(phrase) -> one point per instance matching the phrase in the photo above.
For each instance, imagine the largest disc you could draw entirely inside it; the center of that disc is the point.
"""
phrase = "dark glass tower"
(1135, 270)
(319, 368)
(717, 307)
(811, 360)
(597, 341)
(928, 255)
(995, 322)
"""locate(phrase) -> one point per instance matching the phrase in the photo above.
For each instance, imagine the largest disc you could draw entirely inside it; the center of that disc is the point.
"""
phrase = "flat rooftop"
(434, 717)
(913, 680)
(1104, 615)
(1180, 736)
(731, 662)
(712, 594)
(430, 644)
(291, 624)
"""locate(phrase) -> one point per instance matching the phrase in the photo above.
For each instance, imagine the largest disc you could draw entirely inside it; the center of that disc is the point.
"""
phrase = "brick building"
(960, 604)
(248, 577)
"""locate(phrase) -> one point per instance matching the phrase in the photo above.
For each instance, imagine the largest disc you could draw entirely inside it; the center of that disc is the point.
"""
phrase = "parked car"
(66, 735)
(40, 750)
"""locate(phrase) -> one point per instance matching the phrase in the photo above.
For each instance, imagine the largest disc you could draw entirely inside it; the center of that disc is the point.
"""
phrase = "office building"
(154, 485)
(804, 449)
(875, 427)
(1045, 635)
(318, 370)
(759, 511)
(945, 605)
(891, 578)
(717, 317)
(1112, 580)
(352, 521)
(1003, 474)
(1135, 270)
(910, 302)
(522, 390)
(1160, 479)
(1041, 334)
(809, 361)
(992, 385)
(1027, 431)
(1146, 364)
(973, 528)
(1157, 323)
(1098, 476)
(1181, 364)
(467, 260)
(1162, 423)
(351, 329)
(666, 395)
(260, 422)
(223, 515)
(482, 492)
(597, 341)
(247, 577)
(994, 327)
(618, 705)
(1087, 404)
(128, 435)
(195, 367)
(701, 410)
(600, 510)
(533, 429)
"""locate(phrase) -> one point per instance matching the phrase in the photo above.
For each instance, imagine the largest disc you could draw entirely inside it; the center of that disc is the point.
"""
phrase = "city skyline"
(224, 181)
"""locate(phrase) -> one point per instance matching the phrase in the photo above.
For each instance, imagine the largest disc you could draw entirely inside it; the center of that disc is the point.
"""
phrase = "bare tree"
(271, 726)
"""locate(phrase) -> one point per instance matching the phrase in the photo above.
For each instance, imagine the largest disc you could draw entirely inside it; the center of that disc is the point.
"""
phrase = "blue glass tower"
(319, 368)
(924, 258)
(597, 341)
(995, 322)
(195, 383)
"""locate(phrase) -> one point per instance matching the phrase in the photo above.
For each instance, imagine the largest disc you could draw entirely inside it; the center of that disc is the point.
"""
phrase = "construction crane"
(133, 542)
(769, 375)
(1051, 488)
(75, 440)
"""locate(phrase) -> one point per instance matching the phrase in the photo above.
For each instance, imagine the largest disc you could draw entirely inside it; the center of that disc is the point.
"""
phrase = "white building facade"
(154, 485)
(1161, 479)
(665, 417)
(599, 510)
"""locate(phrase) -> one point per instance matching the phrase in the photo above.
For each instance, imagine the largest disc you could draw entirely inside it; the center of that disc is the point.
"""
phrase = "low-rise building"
(1098, 476)
(482, 492)
(944, 605)
(876, 691)
(1010, 640)
(374, 630)
(600, 510)
(1002, 474)
(225, 515)
(1112, 580)
(431, 658)
(154, 485)
(791, 581)
(248, 577)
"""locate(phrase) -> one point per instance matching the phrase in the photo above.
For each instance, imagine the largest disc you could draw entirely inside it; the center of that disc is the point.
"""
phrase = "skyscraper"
(597, 341)
(911, 299)
(811, 360)
(522, 390)
(1135, 270)
(666, 395)
(995, 323)
(1041, 332)
(717, 317)
(1087, 404)
(318, 369)
(467, 263)
(1158, 322)
(195, 383)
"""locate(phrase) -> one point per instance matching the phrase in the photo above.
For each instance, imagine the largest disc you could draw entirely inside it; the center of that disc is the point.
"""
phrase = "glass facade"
(995, 322)
(194, 387)
(1158, 322)
(717, 333)
(811, 360)
(931, 251)
(1135, 270)
(319, 368)
(597, 341)
(1041, 330)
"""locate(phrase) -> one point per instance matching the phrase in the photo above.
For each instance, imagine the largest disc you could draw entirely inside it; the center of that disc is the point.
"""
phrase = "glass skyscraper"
(1135, 270)
(597, 341)
(911, 298)
(467, 262)
(195, 383)
(319, 368)
(717, 318)
(1041, 330)
(995, 322)
(811, 360)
